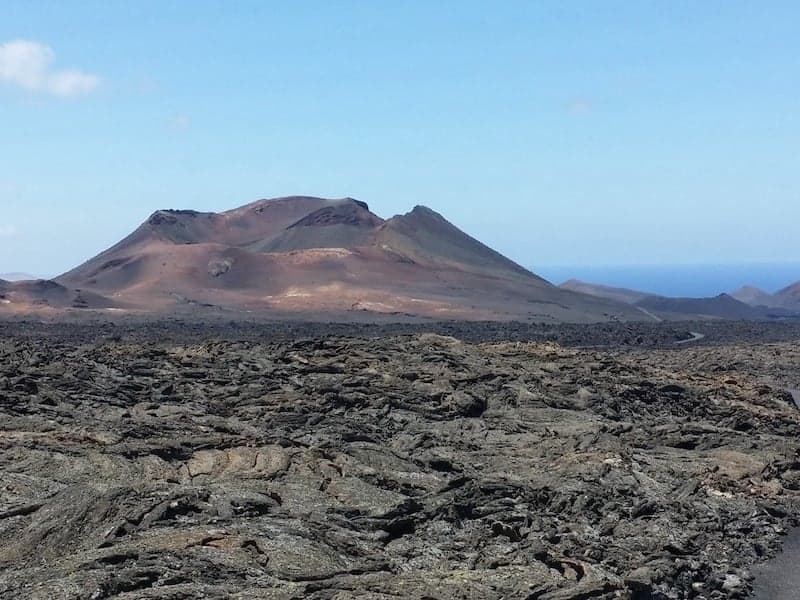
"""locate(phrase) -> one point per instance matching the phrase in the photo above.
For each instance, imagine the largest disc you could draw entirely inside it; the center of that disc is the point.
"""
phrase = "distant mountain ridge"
(722, 306)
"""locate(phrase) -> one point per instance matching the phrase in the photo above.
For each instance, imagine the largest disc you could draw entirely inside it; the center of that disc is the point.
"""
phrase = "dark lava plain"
(89, 328)
(179, 459)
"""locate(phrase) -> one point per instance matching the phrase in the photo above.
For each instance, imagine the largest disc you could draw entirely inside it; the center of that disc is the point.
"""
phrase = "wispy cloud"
(8, 187)
(579, 106)
(29, 65)
(7, 231)
(180, 122)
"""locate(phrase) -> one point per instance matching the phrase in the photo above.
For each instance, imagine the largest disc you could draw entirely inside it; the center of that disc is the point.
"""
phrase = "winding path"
(695, 337)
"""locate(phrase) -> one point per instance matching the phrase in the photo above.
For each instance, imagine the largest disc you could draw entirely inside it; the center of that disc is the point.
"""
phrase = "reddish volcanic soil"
(303, 255)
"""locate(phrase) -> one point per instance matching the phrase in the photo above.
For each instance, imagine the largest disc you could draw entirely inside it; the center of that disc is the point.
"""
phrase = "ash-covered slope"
(425, 236)
(318, 256)
(789, 297)
(43, 293)
(754, 296)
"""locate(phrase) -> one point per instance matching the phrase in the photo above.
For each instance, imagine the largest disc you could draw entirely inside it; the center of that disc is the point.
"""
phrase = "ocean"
(697, 280)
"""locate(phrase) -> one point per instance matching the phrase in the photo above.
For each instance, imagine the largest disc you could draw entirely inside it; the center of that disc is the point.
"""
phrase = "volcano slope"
(415, 466)
(301, 255)
(47, 295)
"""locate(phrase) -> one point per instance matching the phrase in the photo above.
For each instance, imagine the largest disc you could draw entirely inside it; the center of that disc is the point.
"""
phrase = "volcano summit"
(307, 256)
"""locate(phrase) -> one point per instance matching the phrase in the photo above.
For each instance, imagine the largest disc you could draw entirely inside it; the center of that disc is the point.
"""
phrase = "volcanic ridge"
(314, 257)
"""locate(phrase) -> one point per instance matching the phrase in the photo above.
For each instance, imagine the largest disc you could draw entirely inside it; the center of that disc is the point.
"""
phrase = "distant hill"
(754, 296)
(17, 276)
(786, 298)
(42, 293)
(306, 256)
(605, 291)
(789, 297)
(723, 306)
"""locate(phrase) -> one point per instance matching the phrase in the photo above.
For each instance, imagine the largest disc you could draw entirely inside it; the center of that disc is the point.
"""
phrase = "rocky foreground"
(412, 466)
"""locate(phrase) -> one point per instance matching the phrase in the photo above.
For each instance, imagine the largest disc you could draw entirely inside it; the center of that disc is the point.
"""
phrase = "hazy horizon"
(679, 280)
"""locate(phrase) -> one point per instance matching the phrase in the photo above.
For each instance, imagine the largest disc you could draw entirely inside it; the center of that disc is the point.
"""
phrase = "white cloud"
(72, 83)
(28, 65)
(7, 231)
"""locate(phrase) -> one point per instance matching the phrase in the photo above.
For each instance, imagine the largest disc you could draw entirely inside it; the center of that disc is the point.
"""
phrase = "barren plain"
(252, 460)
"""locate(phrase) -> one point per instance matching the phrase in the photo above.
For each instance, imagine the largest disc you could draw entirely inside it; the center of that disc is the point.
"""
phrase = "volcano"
(303, 255)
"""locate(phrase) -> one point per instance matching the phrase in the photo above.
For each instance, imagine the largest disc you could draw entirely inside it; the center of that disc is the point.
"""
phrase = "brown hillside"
(304, 255)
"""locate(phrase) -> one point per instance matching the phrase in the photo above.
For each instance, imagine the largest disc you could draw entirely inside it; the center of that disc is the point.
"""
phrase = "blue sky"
(558, 132)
